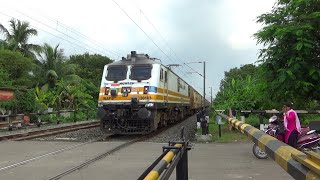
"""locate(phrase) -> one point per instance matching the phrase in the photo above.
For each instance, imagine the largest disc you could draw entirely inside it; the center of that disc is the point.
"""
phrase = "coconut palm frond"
(73, 79)
(5, 32)
(69, 69)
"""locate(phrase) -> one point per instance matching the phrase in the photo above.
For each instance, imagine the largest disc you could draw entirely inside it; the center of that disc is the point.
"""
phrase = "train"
(138, 95)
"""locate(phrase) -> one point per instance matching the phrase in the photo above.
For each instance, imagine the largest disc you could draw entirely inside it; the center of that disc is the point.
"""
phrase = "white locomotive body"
(138, 94)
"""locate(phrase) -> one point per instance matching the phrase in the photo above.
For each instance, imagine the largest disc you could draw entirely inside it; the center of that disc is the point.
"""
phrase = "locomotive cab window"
(141, 72)
(117, 73)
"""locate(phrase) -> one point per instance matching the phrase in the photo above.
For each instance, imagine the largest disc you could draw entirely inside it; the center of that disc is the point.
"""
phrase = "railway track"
(48, 132)
(108, 138)
(109, 152)
(26, 161)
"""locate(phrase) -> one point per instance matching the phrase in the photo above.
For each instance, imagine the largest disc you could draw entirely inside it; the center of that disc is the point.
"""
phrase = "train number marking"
(145, 97)
(106, 98)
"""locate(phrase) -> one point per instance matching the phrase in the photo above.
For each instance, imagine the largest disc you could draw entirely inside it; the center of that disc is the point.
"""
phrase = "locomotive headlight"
(146, 90)
(149, 105)
(126, 89)
(107, 91)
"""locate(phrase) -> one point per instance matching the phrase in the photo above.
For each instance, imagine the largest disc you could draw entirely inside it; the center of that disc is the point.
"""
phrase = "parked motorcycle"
(308, 140)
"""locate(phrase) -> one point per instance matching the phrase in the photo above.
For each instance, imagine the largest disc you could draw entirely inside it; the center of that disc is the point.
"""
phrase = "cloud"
(218, 32)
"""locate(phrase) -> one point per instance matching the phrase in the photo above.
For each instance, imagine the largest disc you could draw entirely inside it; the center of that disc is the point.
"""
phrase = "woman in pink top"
(291, 124)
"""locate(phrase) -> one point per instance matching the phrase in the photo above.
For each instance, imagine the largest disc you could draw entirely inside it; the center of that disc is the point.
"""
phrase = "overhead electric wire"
(59, 31)
(51, 34)
(156, 30)
(142, 30)
(76, 32)
(146, 33)
(80, 34)
(178, 58)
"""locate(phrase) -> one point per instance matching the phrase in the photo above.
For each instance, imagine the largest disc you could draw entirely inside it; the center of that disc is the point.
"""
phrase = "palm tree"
(56, 74)
(3, 45)
(53, 66)
(17, 37)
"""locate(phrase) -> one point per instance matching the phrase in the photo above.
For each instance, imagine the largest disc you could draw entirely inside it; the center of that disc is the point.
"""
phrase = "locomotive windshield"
(141, 72)
(117, 73)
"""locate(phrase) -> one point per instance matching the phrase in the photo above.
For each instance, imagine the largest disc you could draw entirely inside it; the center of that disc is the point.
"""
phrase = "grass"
(226, 135)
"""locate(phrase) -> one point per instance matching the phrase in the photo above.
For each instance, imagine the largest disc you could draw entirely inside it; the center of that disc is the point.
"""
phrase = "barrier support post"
(261, 121)
(182, 167)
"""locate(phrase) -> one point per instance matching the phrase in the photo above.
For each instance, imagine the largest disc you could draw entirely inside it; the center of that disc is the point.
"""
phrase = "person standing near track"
(291, 124)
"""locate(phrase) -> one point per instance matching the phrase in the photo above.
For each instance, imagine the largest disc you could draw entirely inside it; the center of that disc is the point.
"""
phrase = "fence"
(175, 155)
(19, 118)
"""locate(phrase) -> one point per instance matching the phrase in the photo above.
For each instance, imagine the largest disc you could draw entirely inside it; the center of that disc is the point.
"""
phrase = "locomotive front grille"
(132, 126)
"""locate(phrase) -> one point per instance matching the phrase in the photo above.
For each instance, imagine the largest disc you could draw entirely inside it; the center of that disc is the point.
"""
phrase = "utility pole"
(211, 98)
(204, 85)
(204, 113)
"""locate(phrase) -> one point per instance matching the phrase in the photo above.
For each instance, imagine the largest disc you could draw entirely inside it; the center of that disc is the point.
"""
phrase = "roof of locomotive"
(135, 60)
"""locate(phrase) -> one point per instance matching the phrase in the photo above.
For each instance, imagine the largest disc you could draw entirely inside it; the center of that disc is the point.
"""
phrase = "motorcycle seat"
(310, 132)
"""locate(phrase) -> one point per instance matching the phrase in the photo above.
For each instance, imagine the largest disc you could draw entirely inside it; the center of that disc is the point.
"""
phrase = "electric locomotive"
(138, 94)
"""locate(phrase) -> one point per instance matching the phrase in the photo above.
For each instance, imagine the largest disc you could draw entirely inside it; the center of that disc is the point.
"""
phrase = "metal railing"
(174, 156)
(9, 121)
(298, 164)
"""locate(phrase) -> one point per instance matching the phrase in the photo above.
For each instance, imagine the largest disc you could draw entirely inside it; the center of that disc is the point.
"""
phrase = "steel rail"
(48, 132)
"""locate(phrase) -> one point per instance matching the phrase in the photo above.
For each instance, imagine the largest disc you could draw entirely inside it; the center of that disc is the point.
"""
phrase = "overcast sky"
(180, 31)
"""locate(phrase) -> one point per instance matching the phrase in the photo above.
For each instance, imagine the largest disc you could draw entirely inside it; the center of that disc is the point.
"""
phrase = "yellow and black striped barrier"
(298, 164)
(174, 156)
(312, 160)
(166, 160)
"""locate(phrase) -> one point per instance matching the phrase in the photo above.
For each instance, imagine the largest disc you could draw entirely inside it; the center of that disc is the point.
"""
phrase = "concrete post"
(39, 119)
(230, 116)
(243, 119)
(9, 121)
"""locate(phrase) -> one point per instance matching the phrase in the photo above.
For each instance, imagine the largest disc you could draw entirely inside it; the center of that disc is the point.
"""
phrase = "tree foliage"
(15, 69)
(16, 38)
(291, 39)
(241, 88)
(5, 79)
(91, 66)
(53, 66)
(289, 64)
(52, 79)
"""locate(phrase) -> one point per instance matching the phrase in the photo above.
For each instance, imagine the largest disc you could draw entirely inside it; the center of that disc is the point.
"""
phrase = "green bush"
(25, 101)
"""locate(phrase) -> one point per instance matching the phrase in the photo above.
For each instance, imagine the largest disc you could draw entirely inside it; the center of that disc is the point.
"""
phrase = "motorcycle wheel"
(258, 152)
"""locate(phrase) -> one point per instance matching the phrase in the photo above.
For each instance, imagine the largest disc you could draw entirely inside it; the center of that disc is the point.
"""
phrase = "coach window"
(161, 74)
(117, 73)
(178, 85)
